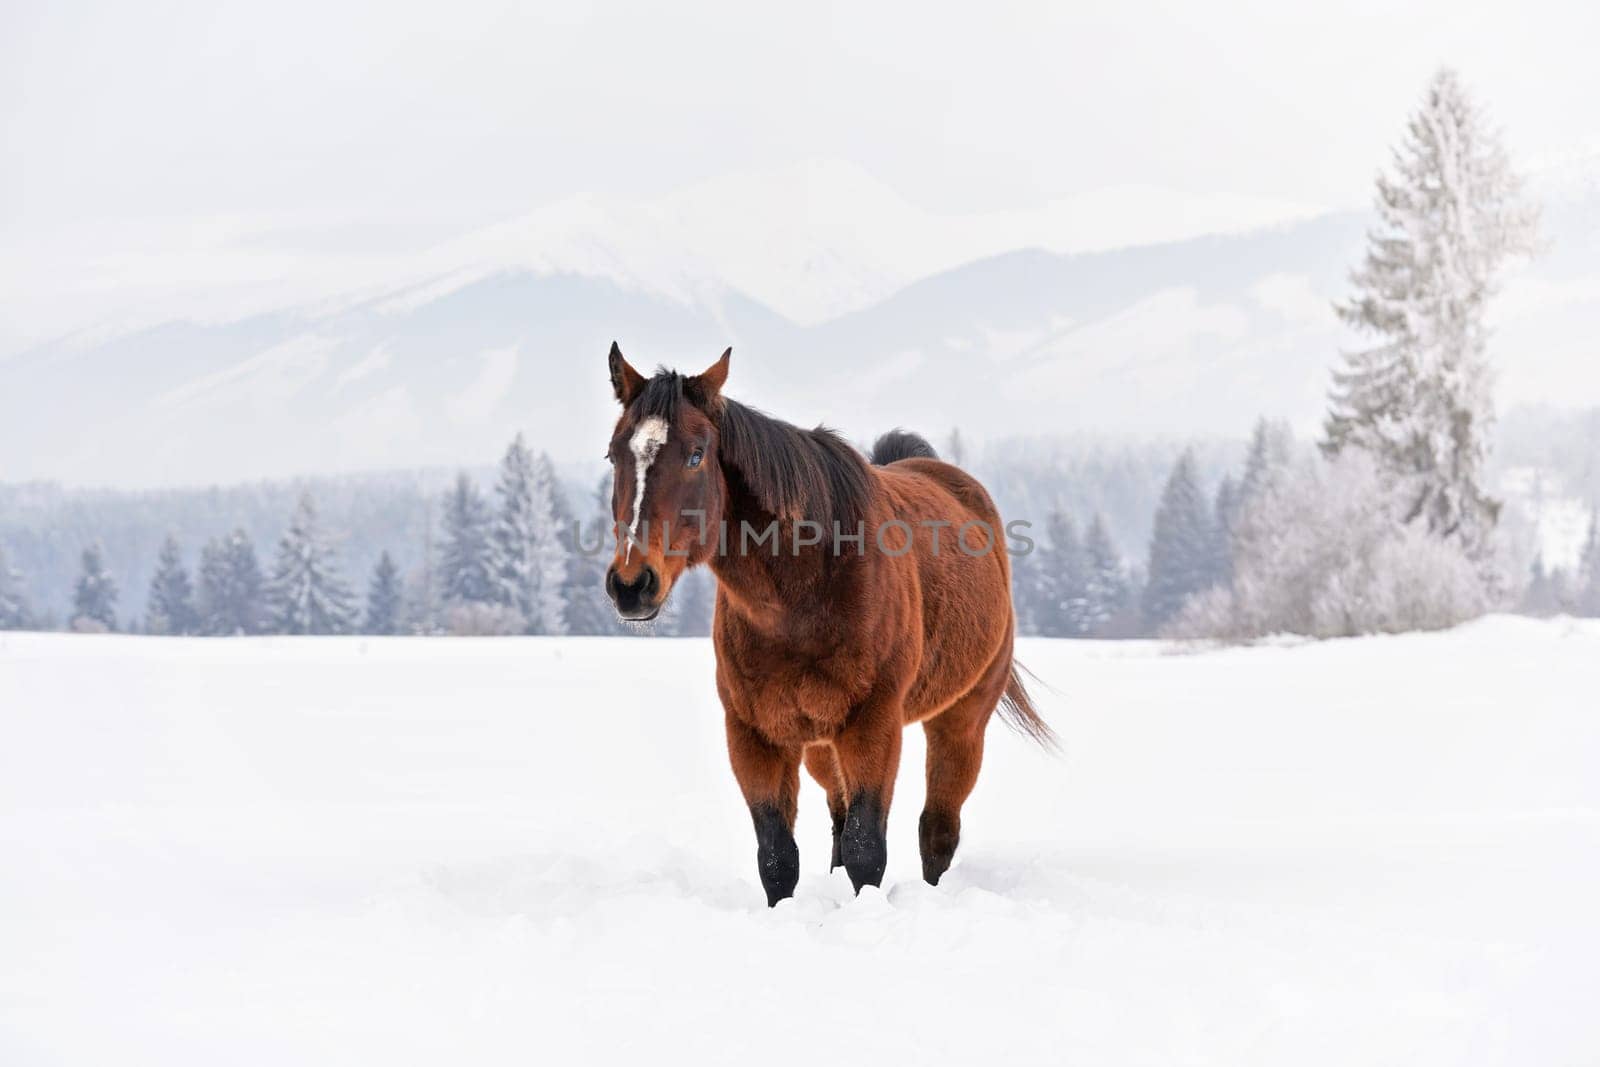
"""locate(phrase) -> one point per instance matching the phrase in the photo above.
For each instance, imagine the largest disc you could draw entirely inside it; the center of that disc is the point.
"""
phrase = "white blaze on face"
(646, 441)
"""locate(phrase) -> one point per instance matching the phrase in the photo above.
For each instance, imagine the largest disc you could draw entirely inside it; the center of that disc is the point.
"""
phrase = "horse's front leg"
(869, 755)
(769, 776)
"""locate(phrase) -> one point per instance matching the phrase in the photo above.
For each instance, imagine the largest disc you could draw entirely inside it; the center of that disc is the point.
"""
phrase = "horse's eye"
(695, 457)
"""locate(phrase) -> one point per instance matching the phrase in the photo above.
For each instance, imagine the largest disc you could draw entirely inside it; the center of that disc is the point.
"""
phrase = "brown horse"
(842, 614)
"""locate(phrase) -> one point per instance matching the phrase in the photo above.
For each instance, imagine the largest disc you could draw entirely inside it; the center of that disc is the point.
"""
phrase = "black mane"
(792, 473)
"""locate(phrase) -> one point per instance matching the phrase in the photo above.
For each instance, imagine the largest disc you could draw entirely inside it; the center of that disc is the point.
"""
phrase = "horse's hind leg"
(824, 767)
(955, 752)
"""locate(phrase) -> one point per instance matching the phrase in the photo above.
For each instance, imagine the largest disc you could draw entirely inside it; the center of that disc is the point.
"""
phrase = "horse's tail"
(901, 444)
(1016, 708)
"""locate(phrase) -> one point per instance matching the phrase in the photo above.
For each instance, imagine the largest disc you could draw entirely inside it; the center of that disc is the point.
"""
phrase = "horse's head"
(668, 487)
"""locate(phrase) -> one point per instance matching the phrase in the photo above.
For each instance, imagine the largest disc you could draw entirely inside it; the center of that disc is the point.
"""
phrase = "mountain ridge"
(1194, 336)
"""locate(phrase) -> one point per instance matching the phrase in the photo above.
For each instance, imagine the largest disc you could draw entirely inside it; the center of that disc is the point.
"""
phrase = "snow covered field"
(532, 851)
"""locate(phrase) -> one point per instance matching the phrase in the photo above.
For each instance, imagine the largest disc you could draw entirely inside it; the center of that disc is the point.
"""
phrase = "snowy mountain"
(857, 308)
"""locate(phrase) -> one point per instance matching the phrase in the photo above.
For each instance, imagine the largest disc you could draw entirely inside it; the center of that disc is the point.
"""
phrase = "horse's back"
(921, 481)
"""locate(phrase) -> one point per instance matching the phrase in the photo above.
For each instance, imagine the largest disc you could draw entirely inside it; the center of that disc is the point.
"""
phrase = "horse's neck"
(763, 588)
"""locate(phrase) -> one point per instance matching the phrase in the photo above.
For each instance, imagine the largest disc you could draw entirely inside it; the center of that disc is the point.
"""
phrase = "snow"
(323, 850)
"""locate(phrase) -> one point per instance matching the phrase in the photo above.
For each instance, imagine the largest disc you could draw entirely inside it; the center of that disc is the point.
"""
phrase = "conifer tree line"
(501, 562)
(488, 567)
(1074, 584)
(516, 558)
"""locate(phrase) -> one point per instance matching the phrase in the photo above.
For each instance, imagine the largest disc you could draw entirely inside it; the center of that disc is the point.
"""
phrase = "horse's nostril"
(642, 588)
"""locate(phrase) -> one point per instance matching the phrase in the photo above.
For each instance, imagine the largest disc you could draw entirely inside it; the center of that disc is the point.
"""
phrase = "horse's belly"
(966, 624)
(937, 688)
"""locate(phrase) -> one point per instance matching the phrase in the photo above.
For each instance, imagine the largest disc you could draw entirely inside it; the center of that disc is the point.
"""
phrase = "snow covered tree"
(692, 604)
(14, 613)
(1267, 460)
(1063, 580)
(553, 552)
(1026, 595)
(1223, 512)
(589, 611)
(230, 599)
(530, 560)
(306, 595)
(384, 598)
(1106, 583)
(467, 571)
(1320, 553)
(1450, 216)
(94, 601)
(423, 612)
(1271, 451)
(171, 609)
(1587, 600)
(1181, 545)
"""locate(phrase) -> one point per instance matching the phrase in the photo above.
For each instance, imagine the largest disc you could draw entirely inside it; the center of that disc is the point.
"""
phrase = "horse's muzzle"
(636, 600)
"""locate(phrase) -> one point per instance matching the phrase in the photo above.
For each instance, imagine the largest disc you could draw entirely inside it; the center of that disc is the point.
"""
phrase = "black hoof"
(937, 834)
(777, 856)
(863, 846)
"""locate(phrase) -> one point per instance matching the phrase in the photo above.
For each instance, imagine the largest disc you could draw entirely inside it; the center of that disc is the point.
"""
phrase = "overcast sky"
(168, 144)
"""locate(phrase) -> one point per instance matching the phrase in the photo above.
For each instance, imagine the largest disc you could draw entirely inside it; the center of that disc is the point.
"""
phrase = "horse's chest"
(789, 698)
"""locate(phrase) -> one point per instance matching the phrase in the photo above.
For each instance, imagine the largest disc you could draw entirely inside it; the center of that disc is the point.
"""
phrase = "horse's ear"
(625, 381)
(707, 385)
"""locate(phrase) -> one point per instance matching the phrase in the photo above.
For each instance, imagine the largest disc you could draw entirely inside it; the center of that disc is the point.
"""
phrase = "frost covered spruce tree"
(14, 613)
(306, 595)
(1063, 580)
(170, 609)
(1106, 583)
(1587, 601)
(1025, 589)
(529, 559)
(230, 596)
(1182, 546)
(1266, 461)
(589, 610)
(1223, 514)
(466, 560)
(1450, 216)
(422, 612)
(469, 572)
(385, 599)
(696, 596)
(94, 600)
